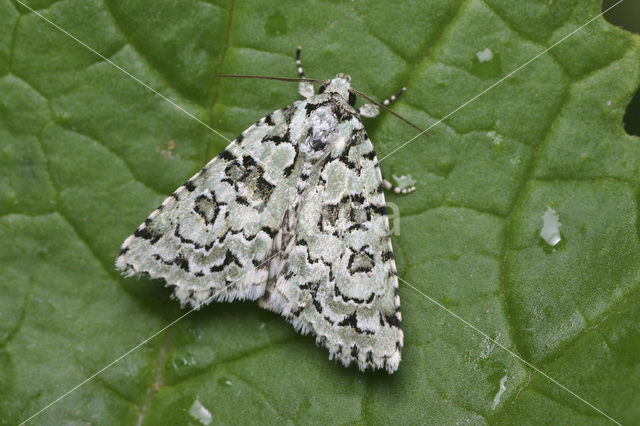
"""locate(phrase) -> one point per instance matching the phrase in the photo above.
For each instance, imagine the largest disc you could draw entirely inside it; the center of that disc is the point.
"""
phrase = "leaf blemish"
(496, 399)
(485, 55)
(200, 413)
(550, 231)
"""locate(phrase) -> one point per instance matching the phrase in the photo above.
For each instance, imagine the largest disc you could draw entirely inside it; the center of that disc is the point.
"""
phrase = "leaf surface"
(86, 153)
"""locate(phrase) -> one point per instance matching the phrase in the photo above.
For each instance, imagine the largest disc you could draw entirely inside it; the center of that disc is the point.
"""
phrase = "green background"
(86, 154)
(627, 15)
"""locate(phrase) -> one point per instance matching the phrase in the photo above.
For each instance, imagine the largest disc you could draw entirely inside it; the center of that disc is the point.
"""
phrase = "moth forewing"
(292, 214)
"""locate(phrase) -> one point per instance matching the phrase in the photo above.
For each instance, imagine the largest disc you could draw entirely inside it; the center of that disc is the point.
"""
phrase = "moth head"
(340, 85)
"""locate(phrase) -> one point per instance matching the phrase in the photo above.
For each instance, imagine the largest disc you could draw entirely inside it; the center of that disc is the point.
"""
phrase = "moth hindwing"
(292, 214)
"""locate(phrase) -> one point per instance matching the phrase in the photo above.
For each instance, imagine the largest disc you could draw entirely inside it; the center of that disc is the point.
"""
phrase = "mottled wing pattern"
(340, 281)
(212, 238)
(292, 214)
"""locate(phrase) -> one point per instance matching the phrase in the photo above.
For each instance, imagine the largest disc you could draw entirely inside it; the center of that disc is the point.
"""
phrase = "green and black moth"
(291, 214)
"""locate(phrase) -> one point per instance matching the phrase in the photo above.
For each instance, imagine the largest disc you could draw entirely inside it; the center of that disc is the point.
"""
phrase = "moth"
(291, 214)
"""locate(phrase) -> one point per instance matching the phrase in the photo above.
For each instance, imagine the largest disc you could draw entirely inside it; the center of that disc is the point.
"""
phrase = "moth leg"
(370, 110)
(306, 89)
(391, 187)
(393, 97)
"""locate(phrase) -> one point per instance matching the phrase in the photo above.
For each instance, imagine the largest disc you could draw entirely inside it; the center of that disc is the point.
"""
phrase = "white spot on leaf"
(496, 399)
(550, 227)
(497, 139)
(200, 413)
(485, 55)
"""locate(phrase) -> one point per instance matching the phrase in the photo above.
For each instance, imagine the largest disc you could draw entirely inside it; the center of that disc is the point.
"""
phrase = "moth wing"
(212, 238)
(340, 280)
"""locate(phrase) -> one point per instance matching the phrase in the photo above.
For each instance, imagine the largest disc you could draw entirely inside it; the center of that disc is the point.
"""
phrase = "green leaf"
(86, 153)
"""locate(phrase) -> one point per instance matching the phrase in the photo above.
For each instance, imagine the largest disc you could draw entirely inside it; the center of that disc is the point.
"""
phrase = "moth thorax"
(340, 85)
(322, 133)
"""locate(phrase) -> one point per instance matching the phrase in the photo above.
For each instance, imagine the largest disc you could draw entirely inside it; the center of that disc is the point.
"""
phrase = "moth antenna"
(264, 77)
(422, 132)
(311, 80)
